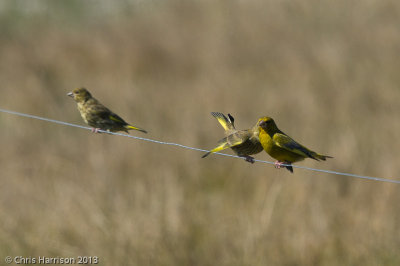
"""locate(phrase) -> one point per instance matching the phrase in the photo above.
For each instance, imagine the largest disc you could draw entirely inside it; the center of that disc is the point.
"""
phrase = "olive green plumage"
(97, 115)
(243, 142)
(282, 147)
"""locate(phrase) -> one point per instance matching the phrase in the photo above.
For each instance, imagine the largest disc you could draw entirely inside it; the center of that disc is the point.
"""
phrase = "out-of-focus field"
(327, 71)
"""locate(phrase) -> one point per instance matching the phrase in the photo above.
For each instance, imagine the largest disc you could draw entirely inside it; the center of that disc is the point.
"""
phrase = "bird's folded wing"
(100, 110)
(289, 144)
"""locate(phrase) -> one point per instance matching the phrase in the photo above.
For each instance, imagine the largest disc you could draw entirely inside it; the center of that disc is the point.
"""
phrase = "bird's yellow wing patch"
(226, 123)
(116, 118)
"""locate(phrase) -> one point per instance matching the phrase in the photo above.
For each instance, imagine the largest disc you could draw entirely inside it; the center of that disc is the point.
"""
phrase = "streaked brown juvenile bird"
(282, 147)
(243, 142)
(97, 115)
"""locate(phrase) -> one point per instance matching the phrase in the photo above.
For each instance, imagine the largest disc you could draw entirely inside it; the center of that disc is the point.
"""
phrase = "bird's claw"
(278, 164)
(95, 130)
(249, 159)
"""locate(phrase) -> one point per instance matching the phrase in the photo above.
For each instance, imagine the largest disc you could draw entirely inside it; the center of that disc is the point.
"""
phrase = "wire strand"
(196, 149)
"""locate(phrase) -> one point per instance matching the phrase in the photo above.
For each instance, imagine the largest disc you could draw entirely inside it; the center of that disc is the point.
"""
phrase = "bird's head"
(80, 94)
(267, 123)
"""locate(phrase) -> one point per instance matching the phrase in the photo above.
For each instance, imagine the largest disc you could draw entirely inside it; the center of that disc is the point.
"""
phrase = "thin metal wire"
(196, 149)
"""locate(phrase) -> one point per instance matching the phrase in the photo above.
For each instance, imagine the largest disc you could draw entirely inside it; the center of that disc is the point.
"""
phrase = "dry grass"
(327, 71)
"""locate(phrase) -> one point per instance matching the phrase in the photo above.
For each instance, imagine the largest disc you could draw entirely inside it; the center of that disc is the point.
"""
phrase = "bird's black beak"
(261, 123)
(70, 94)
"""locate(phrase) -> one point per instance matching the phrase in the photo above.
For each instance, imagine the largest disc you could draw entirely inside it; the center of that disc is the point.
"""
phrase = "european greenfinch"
(97, 115)
(243, 142)
(282, 147)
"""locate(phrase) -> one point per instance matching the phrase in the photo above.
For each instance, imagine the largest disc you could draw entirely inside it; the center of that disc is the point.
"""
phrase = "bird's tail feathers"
(288, 165)
(226, 123)
(222, 146)
(321, 157)
(290, 168)
(128, 127)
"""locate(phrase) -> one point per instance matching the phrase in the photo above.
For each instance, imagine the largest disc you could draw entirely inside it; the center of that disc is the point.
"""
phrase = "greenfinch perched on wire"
(243, 142)
(282, 147)
(97, 115)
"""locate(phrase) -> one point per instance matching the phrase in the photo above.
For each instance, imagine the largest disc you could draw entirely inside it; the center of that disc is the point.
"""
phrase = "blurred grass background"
(327, 71)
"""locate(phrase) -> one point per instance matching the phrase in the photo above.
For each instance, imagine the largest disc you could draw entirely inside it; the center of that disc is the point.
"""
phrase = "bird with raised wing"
(243, 142)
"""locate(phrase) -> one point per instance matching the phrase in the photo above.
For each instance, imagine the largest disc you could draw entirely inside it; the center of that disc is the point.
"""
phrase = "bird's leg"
(249, 159)
(278, 164)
